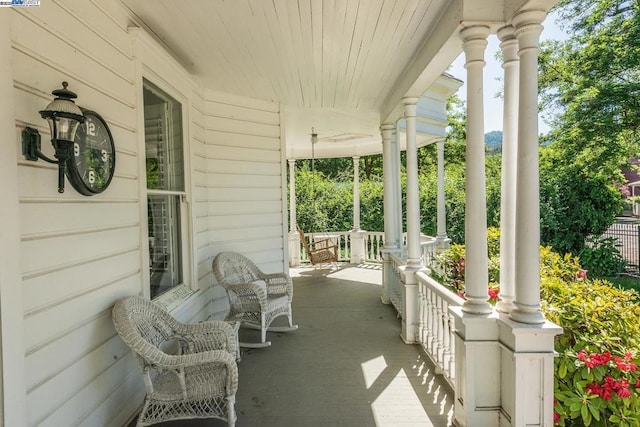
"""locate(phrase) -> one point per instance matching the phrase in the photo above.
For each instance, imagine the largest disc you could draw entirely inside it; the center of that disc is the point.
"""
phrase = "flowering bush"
(606, 390)
(596, 375)
(449, 268)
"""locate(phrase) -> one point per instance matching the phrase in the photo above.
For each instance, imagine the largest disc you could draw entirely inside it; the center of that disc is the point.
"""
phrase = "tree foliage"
(592, 78)
(590, 93)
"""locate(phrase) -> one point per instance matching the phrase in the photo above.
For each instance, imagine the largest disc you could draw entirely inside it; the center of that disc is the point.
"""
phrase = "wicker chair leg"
(231, 412)
(263, 323)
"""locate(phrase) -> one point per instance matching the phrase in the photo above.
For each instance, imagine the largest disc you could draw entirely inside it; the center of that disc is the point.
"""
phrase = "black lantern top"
(63, 114)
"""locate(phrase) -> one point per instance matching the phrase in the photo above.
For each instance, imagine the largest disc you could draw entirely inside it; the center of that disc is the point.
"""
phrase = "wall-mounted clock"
(93, 160)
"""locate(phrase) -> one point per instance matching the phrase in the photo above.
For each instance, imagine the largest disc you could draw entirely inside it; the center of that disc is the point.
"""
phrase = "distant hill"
(493, 140)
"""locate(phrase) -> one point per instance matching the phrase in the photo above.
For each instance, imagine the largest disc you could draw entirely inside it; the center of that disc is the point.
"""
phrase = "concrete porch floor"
(346, 365)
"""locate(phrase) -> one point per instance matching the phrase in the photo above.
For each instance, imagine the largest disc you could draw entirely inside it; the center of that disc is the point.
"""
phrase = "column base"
(505, 306)
(358, 252)
(477, 362)
(294, 249)
(442, 243)
(387, 277)
(477, 307)
(527, 353)
(526, 314)
(414, 264)
(410, 304)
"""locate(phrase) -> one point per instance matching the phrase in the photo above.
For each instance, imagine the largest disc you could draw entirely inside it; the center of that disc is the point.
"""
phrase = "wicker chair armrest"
(246, 289)
(180, 365)
(209, 335)
(177, 361)
(278, 283)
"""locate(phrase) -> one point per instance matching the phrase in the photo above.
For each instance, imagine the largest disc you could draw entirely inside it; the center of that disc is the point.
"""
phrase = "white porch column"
(413, 198)
(388, 187)
(397, 185)
(527, 339)
(391, 243)
(13, 407)
(356, 193)
(509, 47)
(410, 315)
(294, 237)
(358, 253)
(478, 392)
(476, 267)
(527, 251)
(441, 235)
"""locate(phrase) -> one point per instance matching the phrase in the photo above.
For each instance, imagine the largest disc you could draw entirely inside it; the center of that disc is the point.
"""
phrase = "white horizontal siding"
(80, 254)
(245, 194)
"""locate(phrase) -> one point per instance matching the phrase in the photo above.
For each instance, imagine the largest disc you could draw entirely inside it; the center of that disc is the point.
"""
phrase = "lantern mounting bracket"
(31, 146)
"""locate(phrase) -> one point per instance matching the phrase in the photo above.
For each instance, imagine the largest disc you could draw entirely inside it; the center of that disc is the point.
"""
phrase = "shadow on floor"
(345, 366)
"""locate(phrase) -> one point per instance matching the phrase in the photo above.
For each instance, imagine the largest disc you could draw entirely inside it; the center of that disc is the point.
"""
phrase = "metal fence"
(627, 236)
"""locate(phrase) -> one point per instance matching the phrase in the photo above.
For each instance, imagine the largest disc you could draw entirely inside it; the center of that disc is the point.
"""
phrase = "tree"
(590, 93)
(593, 78)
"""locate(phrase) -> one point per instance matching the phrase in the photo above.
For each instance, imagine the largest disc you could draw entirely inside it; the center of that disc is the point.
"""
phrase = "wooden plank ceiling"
(317, 54)
(342, 56)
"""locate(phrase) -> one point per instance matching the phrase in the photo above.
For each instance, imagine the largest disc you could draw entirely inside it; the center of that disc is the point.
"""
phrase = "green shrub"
(449, 268)
(601, 257)
(596, 376)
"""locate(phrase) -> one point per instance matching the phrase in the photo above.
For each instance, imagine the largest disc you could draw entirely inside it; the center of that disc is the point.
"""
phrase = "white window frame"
(177, 294)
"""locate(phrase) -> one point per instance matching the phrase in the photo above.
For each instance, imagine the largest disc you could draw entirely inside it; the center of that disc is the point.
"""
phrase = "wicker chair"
(255, 298)
(199, 379)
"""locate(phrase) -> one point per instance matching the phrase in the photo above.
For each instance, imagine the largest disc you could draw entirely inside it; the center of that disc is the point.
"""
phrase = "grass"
(625, 282)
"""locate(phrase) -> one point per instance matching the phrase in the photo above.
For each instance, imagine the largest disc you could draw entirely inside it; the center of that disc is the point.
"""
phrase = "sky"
(493, 72)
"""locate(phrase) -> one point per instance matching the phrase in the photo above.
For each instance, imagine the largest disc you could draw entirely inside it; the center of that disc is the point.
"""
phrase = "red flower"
(638, 383)
(596, 389)
(610, 383)
(493, 294)
(624, 392)
(556, 417)
(594, 359)
(582, 274)
(582, 355)
(623, 383)
(625, 366)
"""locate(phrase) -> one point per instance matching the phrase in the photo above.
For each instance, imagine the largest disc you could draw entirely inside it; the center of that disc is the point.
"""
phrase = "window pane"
(165, 257)
(163, 140)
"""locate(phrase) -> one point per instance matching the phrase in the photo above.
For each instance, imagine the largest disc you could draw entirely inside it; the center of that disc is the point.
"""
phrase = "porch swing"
(324, 250)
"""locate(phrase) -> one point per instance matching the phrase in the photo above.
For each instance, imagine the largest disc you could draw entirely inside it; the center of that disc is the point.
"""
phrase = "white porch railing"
(396, 287)
(373, 244)
(436, 331)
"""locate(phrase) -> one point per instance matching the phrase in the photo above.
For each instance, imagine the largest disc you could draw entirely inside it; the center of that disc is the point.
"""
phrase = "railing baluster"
(439, 332)
(450, 366)
(433, 348)
(421, 325)
(438, 323)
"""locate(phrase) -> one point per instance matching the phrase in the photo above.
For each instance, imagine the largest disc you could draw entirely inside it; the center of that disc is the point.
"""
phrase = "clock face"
(93, 160)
